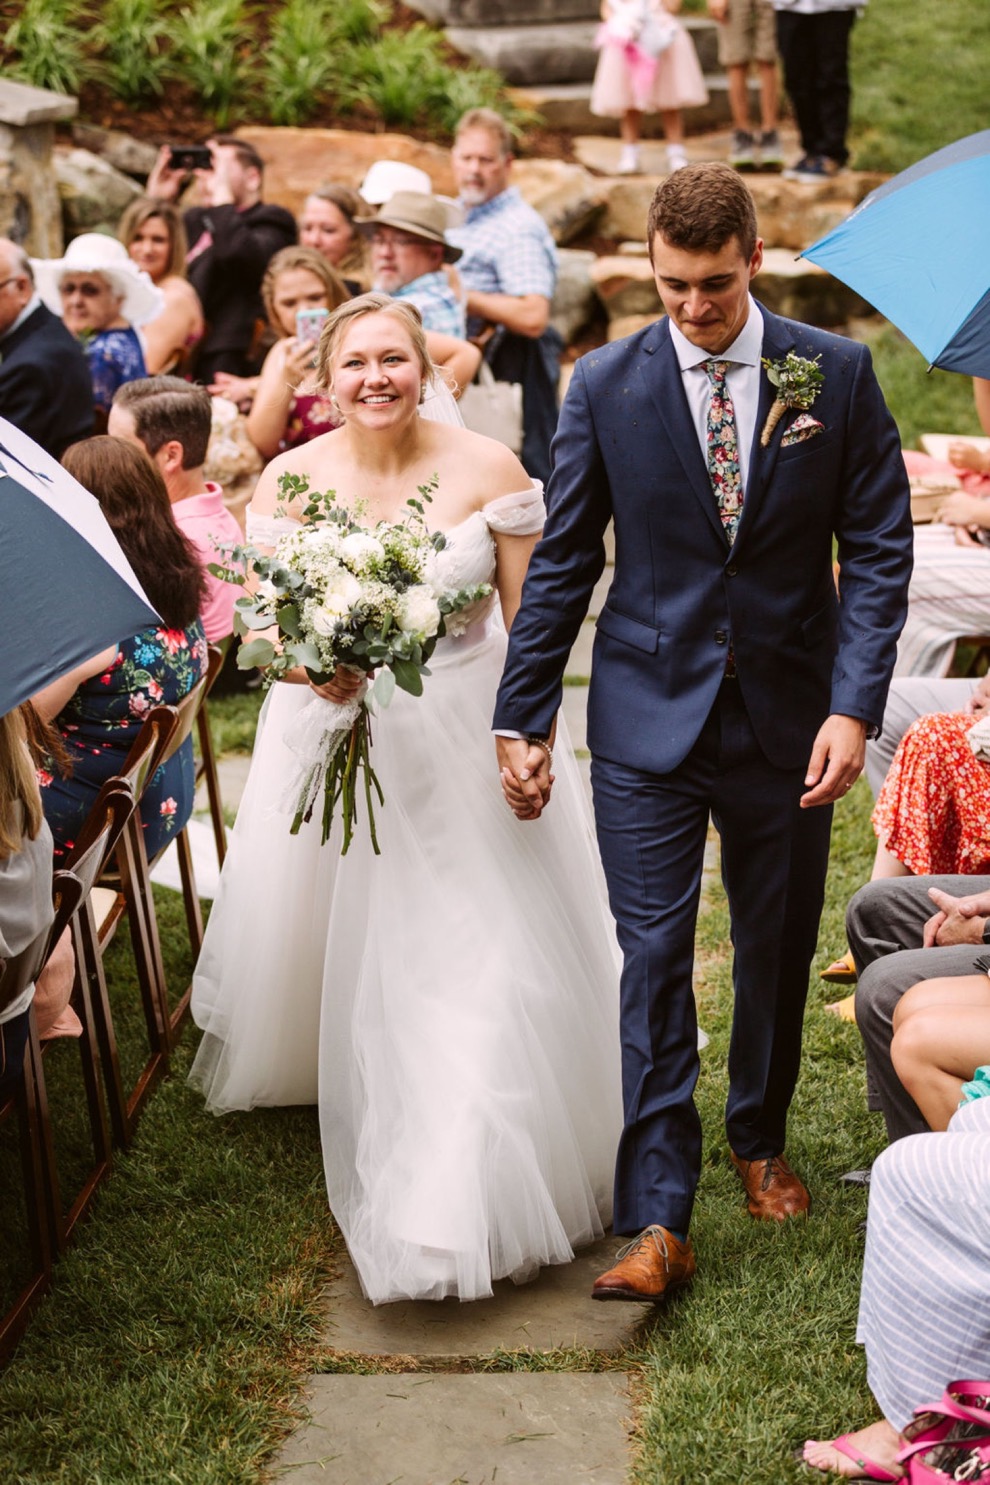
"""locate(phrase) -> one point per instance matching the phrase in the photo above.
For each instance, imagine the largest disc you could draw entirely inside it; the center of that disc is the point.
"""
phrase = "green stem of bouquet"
(347, 801)
(370, 778)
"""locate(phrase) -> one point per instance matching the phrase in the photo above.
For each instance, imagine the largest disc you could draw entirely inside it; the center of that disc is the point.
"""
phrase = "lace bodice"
(469, 556)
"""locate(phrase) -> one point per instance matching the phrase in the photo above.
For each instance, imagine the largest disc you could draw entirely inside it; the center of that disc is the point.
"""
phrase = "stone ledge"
(21, 105)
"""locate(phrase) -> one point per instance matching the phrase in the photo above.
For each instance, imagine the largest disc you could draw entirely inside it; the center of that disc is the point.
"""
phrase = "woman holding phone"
(299, 291)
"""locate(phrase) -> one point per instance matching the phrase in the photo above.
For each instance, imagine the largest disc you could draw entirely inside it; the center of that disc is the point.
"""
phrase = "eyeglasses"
(397, 240)
(87, 289)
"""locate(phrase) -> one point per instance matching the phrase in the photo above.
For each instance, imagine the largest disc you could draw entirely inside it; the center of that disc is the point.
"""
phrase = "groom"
(728, 679)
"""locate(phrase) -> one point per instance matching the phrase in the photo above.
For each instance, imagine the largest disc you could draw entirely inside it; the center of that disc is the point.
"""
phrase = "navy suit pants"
(651, 833)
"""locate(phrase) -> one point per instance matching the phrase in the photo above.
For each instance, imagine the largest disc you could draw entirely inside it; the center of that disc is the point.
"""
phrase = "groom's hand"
(524, 772)
(836, 761)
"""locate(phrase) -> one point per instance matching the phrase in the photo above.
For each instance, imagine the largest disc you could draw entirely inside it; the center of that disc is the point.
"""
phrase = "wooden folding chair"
(29, 1102)
(206, 767)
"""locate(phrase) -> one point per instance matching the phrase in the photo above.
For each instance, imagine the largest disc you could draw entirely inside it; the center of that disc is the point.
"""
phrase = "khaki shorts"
(748, 34)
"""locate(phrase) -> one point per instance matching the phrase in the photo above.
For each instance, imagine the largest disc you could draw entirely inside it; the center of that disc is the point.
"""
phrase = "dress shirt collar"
(745, 350)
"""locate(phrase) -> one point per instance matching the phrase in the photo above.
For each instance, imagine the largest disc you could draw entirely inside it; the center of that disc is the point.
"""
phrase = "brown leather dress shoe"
(773, 1191)
(648, 1268)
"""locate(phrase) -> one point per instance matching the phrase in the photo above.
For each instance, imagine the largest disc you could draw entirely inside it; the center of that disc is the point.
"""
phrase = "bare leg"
(769, 95)
(629, 126)
(879, 1443)
(738, 99)
(673, 125)
(941, 1036)
(887, 865)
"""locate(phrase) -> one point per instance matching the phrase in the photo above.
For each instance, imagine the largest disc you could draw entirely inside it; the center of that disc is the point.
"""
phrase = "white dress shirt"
(742, 380)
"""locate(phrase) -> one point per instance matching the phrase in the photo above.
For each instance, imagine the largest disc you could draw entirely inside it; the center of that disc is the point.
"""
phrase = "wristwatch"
(986, 930)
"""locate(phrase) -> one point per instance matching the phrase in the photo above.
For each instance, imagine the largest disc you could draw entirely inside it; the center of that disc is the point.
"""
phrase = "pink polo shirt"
(209, 525)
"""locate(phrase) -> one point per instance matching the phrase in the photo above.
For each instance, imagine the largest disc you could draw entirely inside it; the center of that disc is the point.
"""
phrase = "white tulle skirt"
(452, 1005)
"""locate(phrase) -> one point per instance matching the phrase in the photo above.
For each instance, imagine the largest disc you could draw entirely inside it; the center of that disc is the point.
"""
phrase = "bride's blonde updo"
(341, 319)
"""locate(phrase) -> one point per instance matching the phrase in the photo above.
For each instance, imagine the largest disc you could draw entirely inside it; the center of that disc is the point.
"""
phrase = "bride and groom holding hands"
(453, 1006)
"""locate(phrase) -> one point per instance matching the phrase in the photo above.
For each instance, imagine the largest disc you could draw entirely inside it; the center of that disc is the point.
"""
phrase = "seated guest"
(924, 1309)
(102, 296)
(153, 234)
(329, 225)
(171, 420)
(45, 389)
(283, 415)
(509, 270)
(233, 235)
(409, 248)
(25, 883)
(98, 707)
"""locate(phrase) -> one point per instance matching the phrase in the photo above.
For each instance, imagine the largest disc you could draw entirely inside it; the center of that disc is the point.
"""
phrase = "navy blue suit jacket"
(45, 386)
(626, 450)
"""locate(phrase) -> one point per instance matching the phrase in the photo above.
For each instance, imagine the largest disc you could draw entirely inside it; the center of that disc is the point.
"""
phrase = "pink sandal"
(871, 1470)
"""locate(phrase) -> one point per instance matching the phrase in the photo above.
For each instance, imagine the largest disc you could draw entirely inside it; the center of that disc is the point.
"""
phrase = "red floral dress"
(933, 811)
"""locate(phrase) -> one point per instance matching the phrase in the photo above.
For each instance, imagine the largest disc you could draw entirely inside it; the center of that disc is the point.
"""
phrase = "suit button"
(732, 571)
(720, 636)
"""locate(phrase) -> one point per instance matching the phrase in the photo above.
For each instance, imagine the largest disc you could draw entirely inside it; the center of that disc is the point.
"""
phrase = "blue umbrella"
(66, 589)
(918, 248)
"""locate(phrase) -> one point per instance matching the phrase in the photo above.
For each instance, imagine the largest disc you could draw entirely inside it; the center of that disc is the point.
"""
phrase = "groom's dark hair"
(699, 208)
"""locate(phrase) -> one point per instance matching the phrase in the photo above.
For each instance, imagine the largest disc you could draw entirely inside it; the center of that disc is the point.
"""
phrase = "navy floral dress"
(100, 723)
(115, 357)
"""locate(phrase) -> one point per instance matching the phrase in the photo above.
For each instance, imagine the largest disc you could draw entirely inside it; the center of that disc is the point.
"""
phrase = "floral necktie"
(723, 449)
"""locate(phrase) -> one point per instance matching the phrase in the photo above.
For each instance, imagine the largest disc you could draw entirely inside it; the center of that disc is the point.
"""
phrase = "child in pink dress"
(646, 64)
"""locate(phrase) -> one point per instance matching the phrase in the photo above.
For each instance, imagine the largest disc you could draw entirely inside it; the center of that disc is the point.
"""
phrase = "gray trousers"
(911, 697)
(884, 923)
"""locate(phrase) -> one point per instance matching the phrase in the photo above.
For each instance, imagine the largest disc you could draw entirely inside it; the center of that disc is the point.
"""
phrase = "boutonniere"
(797, 381)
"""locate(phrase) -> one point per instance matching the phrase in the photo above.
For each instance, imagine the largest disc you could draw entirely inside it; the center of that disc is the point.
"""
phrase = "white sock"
(629, 159)
(676, 157)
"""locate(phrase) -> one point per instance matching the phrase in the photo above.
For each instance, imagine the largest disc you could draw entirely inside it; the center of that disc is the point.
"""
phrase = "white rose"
(326, 620)
(419, 612)
(267, 590)
(359, 548)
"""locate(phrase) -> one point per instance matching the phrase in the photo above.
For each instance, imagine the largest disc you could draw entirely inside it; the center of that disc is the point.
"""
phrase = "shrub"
(130, 38)
(212, 44)
(46, 40)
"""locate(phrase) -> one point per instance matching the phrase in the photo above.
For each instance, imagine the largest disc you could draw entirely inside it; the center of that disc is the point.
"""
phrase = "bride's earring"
(333, 402)
(422, 391)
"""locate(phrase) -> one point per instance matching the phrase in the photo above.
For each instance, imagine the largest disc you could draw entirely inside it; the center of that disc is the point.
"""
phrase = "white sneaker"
(676, 157)
(629, 160)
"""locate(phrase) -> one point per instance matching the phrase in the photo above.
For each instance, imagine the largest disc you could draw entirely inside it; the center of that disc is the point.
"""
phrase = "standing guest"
(329, 224)
(232, 237)
(45, 388)
(747, 33)
(646, 64)
(813, 41)
(103, 297)
(170, 420)
(283, 415)
(99, 707)
(727, 681)
(153, 234)
(509, 270)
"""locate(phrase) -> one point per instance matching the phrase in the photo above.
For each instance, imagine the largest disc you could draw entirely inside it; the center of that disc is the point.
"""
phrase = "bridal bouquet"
(339, 593)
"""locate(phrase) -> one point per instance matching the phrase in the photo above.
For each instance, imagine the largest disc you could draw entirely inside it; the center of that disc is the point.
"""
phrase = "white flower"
(418, 611)
(360, 548)
(267, 590)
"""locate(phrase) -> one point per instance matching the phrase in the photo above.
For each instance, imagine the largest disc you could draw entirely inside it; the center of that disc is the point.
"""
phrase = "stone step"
(566, 106)
(534, 54)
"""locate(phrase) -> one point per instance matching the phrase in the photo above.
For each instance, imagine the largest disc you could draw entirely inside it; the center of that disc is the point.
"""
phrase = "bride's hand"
(525, 776)
(343, 685)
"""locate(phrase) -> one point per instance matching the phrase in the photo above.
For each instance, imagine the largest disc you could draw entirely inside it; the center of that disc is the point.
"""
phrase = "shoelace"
(772, 1167)
(652, 1235)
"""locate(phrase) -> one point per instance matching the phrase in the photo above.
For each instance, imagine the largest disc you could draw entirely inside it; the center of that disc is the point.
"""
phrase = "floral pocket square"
(803, 428)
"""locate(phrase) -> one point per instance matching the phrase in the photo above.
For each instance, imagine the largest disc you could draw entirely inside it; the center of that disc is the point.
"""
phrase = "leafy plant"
(299, 62)
(212, 43)
(130, 38)
(47, 42)
(354, 21)
(399, 75)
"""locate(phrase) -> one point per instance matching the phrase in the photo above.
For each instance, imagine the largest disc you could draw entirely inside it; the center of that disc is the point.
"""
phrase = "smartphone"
(309, 323)
(189, 157)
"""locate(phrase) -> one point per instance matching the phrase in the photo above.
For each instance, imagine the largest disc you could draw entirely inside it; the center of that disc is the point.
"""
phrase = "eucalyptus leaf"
(384, 688)
(407, 677)
(304, 653)
(256, 618)
(258, 652)
(288, 619)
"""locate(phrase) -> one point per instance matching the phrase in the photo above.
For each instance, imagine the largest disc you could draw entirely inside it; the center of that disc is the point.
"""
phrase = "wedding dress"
(451, 1005)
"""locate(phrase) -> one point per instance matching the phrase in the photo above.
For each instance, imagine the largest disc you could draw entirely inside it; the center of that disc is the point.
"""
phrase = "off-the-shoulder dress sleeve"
(520, 514)
(266, 530)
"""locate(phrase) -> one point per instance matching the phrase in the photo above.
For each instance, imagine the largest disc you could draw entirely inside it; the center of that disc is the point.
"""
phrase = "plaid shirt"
(436, 301)
(508, 249)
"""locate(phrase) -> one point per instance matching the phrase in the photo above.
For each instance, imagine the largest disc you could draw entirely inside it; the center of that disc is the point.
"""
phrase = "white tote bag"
(494, 408)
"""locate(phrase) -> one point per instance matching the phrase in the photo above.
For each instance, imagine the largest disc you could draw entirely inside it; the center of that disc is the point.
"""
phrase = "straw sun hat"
(95, 252)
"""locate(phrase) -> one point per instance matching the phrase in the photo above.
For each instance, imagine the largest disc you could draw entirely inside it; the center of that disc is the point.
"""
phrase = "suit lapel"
(776, 343)
(666, 387)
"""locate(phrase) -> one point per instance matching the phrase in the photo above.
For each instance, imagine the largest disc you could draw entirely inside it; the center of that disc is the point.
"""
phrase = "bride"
(451, 1005)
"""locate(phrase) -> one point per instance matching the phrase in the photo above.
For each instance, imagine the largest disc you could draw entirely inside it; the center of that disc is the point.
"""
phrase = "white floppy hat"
(95, 252)
(385, 177)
